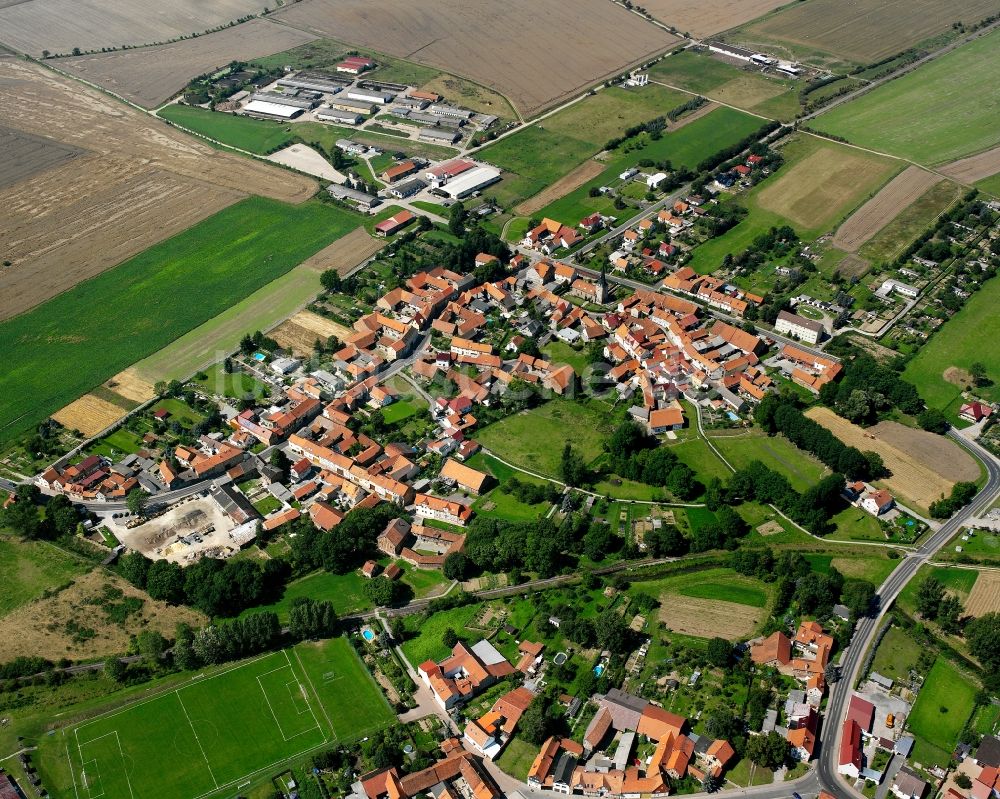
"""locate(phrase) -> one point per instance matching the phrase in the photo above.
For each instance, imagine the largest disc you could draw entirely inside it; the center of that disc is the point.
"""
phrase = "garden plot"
(707, 618)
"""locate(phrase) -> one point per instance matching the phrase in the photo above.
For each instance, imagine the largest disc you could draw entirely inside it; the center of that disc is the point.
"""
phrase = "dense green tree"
(135, 501)
(719, 652)
(151, 645)
(930, 592)
(115, 669)
(933, 420)
(858, 596)
(535, 725)
(611, 632)
(771, 751)
(983, 635)
(449, 637)
(457, 566)
(134, 567)
(310, 618)
(382, 591)
(456, 220)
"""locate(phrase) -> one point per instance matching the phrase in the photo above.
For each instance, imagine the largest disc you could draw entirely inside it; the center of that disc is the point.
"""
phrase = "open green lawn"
(534, 439)
(150, 300)
(211, 734)
(943, 706)
(517, 758)
(231, 384)
(425, 643)
(727, 591)
(345, 591)
(114, 445)
(179, 411)
(959, 342)
(960, 581)
(401, 410)
(497, 504)
(560, 352)
(775, 452)
(897, 653)
(32, 567)
(855, 524)
(941, 111)
(718, 80)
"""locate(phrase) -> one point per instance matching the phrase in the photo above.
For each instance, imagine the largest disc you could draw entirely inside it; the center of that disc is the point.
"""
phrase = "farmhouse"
(975, 411)
(443, 510)
(663, 419)
(444, 172)
(877, 502)
(791, 324)
(465, 476)
(355, 65)
(809, 370)
(394, 224)
(399, 171)
(465, 673)
(551, 235)
(490, 732)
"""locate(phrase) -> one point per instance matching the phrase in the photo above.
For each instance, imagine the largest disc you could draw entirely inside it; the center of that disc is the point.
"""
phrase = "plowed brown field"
(535, 52)
(708, 618)
(885, 206)
(150, 76)
(300, 332)
(139, 182)
(924, 466)
(975, 167)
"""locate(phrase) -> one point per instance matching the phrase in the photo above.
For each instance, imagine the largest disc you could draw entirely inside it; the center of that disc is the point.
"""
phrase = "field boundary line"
(286, 738)
(166, 692)
(322, 707)
(72, 771)
(196, 738)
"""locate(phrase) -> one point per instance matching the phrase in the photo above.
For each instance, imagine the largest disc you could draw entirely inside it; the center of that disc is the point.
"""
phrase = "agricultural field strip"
(177, 692)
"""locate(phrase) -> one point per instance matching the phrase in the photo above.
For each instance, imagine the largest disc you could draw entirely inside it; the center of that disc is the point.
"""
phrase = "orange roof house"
(467, 477)
(775, 650)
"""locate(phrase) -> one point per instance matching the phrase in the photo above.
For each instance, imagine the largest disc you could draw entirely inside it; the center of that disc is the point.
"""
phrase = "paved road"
(853, 657)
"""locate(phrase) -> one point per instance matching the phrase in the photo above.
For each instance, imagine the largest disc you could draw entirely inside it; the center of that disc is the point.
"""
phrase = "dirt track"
(975, 167)
(139, 182)
(924, 466)
(885, 206)
(535, 52)
(574, 180)
(150, 76)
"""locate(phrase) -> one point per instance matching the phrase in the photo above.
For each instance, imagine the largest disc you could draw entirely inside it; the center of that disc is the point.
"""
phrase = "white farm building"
(471, 181)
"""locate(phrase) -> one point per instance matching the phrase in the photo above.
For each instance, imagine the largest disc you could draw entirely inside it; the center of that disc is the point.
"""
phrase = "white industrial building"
(381, 98)
(265, 108)
(471, 181)
(336, 115)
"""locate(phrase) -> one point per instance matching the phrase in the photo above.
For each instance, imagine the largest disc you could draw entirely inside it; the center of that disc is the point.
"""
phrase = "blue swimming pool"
(599, 669)
(732, 416)
(259, 356)
(368, 635)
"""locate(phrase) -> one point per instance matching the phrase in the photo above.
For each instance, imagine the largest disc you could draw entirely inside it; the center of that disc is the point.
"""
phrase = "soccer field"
(216, 732)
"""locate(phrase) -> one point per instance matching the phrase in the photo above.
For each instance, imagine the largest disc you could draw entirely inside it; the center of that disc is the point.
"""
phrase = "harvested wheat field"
(897, 195)
(924, 466)
(131, 386)
(137, 182)
(76, 623)
(150, 76)
(975, 167)
(305, 159)
(709, 16)
(89, 414)
(588, 170)
(300, 332)
(60, 25)
(707, 618)
(345, 253)
(862, 31)
(534, 52)
(26, 155)
(985, 595)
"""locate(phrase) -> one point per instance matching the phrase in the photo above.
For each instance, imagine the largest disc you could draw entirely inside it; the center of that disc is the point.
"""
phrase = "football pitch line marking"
(85, 764)
(177, 693)
(288, 660)
(322, 707)
(72, 770)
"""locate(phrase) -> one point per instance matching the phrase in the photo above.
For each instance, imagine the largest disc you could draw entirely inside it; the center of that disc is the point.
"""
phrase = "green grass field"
(685, 147)
(728, 592)
(425, 643)
(776, 452)
(941, 111)
(960, 342)
(262, 136)
(718, 80)
(560, 352)
(943, 706)
(232, 384)
(960, 581)
(402, 410)
(897, 653)
(535, 439)
(32, 567)
(65, 347)
(212, 734)
(345, 591)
